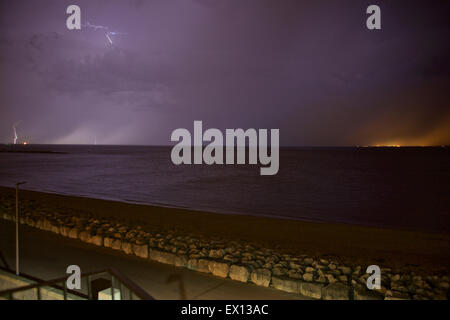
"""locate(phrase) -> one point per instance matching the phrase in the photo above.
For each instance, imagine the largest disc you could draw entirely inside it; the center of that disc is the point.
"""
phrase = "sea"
(401, 188)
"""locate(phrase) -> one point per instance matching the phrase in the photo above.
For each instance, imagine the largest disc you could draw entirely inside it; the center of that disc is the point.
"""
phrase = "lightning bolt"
(15, 135)
(108, 34)
(95, 26)
(15, 131)
(109, 38)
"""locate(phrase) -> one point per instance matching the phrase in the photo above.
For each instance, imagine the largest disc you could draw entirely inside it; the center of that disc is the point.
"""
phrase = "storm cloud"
(310, 68)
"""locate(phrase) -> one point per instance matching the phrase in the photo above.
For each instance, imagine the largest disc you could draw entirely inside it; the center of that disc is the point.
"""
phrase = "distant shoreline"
(32, 151)
(281, 147)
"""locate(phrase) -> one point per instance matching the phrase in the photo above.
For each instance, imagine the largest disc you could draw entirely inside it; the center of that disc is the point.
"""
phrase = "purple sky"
(309, 68)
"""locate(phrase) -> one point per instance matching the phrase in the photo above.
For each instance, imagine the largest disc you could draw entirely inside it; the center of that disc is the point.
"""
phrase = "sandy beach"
(405, 249)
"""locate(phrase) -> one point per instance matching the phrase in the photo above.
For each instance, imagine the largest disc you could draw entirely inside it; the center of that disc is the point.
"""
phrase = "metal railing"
(117, 283)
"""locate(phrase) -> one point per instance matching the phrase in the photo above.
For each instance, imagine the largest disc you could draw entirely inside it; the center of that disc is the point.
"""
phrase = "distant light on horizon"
(389, 145)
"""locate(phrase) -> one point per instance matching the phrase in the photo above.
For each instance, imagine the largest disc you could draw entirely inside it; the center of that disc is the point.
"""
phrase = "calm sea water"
(393, 187)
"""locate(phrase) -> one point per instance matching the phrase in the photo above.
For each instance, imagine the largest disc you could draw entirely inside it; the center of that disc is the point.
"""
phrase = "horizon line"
(281, 146)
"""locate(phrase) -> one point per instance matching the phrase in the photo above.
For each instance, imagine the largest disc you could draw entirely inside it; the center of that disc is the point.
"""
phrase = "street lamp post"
(17, 226)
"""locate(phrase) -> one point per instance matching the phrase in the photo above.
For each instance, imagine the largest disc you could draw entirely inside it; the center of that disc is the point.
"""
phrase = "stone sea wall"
(312, 277)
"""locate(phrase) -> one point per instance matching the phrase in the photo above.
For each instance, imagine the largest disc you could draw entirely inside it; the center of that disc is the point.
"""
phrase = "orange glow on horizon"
(388, 145)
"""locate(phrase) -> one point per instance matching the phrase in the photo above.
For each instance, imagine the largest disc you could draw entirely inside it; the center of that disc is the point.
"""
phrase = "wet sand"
(405, 249)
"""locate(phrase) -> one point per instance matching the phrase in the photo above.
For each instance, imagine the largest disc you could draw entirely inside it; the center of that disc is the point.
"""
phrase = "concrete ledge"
(336, 291)
(239, 273)
(288, 285)
(261, 277)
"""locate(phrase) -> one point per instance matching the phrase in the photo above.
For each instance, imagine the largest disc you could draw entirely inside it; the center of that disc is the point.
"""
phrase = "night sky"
(310, 68)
